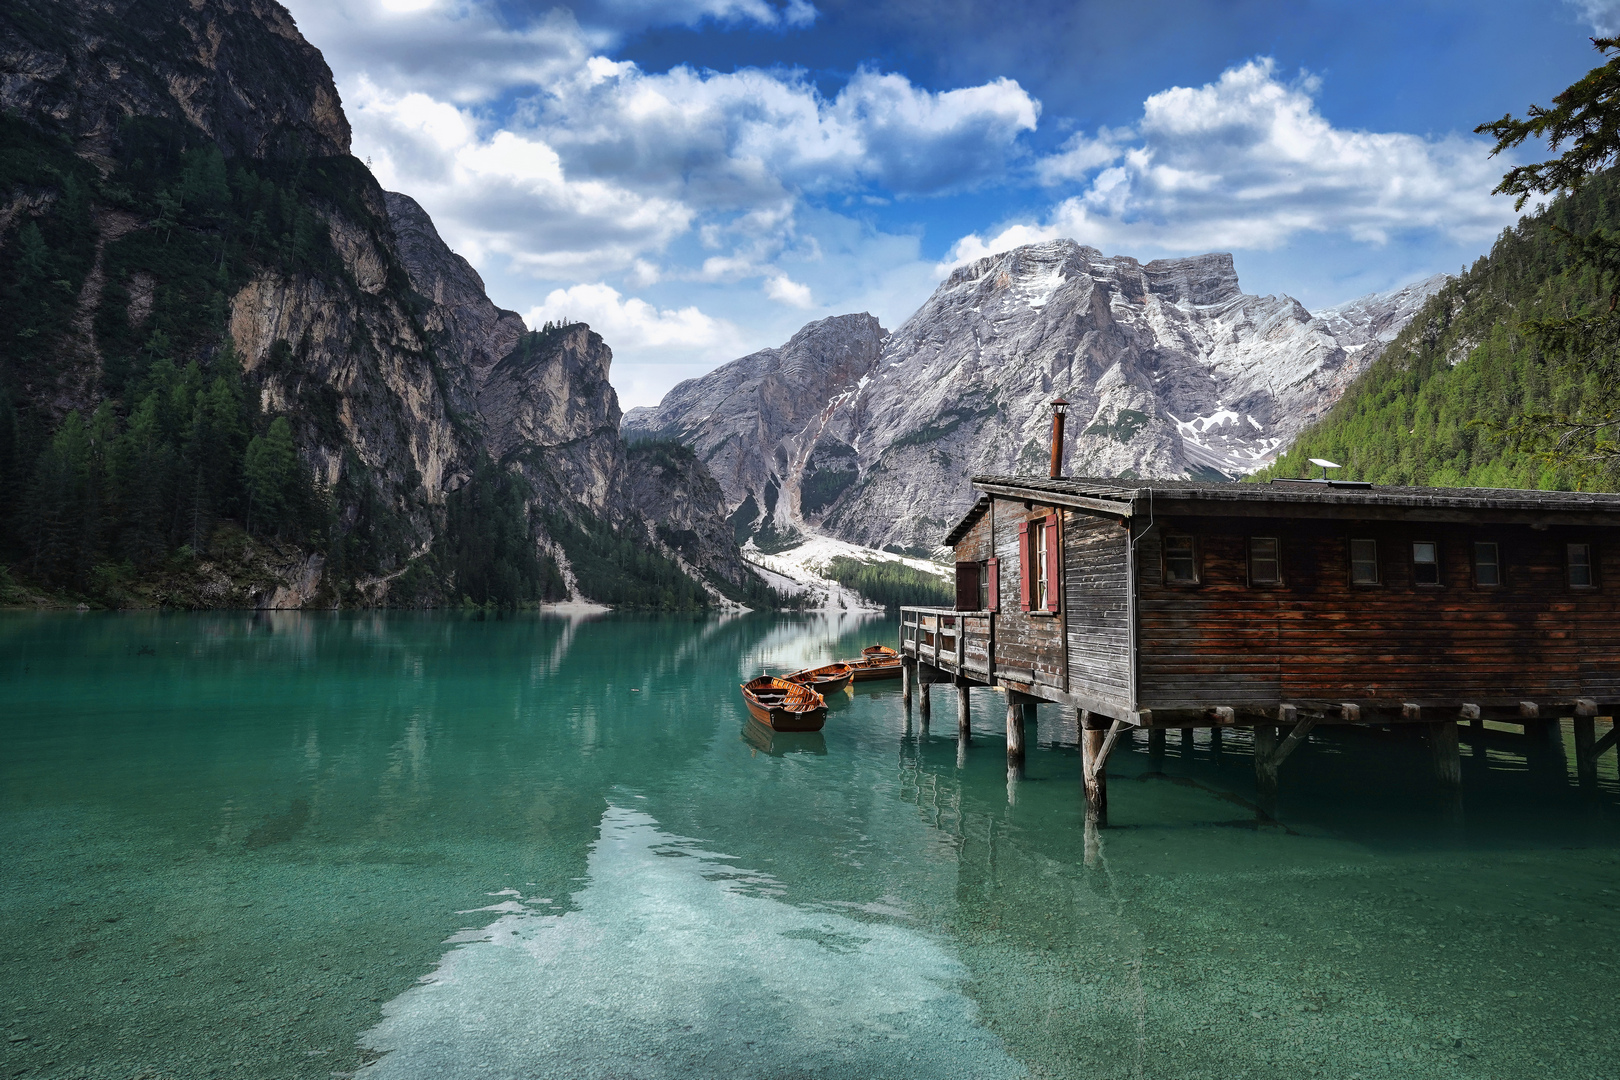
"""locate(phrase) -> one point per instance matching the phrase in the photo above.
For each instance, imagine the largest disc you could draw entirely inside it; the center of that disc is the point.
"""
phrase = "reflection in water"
(230, 838)
(777, 743)
(675, 962)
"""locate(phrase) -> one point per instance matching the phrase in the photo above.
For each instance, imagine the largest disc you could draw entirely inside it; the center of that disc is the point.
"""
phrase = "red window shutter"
(1054, 571)
(995, 584)
(1023, 565)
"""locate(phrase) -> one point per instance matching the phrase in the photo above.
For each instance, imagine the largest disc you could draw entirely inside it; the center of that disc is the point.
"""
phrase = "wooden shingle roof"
(1144, 498)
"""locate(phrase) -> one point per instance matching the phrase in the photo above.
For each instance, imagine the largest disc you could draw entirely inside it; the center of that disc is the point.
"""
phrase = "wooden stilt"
(924, 705)
(1215, 740)
(964, 713)
(1015, 729)
(1265, 760)
(1187, 741)
(908, 677)
(1156, 741)
(1585, 749)
(1447, 757)
(1094, 732)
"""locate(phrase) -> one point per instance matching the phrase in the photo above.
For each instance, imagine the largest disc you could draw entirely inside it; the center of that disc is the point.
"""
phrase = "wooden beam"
(1606, 743)
(1529, 710)
(1585, 744)
(1350, 713)
(1585, 707)
(1295, 737)
(1015, 730)
(1411, 711)
(1156, 741)
(1447, 756)
(1468, 711)
(1265, 763)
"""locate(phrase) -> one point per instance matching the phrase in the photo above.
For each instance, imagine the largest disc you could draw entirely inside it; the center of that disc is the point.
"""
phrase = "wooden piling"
(1214, 740)
(908, 678)
(1015, 729)
(1265, 760)
(1156, 742)
(924, 705)
(1585, 746)
(1187, 741)
(1447, 755)
(1093, 731)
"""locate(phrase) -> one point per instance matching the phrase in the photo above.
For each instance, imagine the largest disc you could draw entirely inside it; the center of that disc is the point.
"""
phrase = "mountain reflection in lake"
(424, 846)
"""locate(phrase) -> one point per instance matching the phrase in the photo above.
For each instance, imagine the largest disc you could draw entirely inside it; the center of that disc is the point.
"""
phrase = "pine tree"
(271, 470)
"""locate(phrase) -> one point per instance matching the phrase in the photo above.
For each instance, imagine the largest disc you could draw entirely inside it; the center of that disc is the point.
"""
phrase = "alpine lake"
(428, 845)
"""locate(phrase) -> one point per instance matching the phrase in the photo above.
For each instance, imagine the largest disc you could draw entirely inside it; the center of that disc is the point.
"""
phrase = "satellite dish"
(1326, 465)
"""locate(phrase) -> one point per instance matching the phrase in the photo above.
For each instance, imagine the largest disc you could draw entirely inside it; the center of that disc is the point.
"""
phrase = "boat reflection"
(778, 743)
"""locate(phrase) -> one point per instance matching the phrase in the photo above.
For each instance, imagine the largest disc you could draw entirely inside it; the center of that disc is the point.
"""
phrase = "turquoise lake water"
(294, 845)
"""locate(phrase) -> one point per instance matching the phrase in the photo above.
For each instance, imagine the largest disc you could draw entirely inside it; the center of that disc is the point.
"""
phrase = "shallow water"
(420, 846)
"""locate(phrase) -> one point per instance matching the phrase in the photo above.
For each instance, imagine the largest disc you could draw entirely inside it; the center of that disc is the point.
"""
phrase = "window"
(1487, 564)
(1263, 566)
(1425, 563)
(1180, 561)
(1037, 564)
(1363, 562)
(1580, 566)
(984, 586)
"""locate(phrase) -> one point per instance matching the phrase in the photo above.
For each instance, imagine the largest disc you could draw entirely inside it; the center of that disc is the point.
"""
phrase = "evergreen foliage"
(487, 553)
(892, 584)
(617, 567)
(1437, 407)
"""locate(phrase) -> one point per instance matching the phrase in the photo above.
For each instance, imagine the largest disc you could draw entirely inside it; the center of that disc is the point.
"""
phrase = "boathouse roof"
(1298, 498)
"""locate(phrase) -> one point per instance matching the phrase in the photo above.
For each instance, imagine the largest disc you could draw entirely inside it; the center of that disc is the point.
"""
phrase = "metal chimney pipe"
(1058, 408)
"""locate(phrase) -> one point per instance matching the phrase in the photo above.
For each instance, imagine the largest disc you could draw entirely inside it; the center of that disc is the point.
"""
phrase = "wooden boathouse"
(1280, 606)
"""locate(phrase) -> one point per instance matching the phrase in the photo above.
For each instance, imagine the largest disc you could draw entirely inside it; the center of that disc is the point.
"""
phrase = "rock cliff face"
(238, 70)
(358, 324)
(1171, 370)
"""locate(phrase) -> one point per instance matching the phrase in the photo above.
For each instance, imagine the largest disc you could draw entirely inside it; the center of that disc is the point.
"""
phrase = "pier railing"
(957, 641)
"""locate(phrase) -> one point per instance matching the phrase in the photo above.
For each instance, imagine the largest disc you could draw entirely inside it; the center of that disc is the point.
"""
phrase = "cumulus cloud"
(787, 291)
(1602, 15)
(642, 13)
(1248, 162)
(633, 323)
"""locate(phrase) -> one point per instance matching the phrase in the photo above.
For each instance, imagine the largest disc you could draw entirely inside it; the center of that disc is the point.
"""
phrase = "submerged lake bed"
(414, 845)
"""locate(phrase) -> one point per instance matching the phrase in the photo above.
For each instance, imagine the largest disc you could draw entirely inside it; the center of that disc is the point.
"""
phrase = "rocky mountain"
(1171, 370)
(232, 342)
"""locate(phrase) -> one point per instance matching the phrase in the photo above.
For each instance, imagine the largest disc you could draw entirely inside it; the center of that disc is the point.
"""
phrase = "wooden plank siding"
(1315, 636)
(1096, 597)
(1029, 644)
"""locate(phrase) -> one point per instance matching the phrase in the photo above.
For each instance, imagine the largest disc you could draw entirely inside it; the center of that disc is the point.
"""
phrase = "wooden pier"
(1279, 607)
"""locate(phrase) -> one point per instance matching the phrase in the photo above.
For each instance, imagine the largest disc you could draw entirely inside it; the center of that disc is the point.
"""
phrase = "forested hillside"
(1424, 412)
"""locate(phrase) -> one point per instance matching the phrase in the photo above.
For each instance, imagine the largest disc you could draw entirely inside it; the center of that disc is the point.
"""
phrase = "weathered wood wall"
(1096, 598)
(1029, 645)
(1316, 636)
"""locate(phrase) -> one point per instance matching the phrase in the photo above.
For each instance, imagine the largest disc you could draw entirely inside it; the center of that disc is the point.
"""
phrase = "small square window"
(1425, 563)
(1263, 564)
(1180, 563)
(1363, 562)
(1487, 563)
(1580, 566)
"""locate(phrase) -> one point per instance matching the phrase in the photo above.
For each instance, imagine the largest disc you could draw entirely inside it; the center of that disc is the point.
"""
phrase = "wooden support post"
(924, 705)
(1187, 741)
(1156, 741)
(1447, 757)
(1096, 739)
(1214, 740)
(1015, 729)
(1265, 760)
(908, 679)
(964, 711)
(1585, 749)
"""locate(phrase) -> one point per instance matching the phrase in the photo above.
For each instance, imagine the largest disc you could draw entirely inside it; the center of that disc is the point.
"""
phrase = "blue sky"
(699, 178)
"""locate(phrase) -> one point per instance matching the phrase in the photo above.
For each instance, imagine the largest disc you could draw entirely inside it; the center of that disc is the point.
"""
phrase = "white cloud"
(787, 291)
(640, 13)
(1602, 15)
(634, 324)
(1248, 162)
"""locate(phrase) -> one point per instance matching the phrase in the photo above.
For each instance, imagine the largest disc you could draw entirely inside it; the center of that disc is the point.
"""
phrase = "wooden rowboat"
(880, 668)
(783, 705)
(879, 652)
(824, 680)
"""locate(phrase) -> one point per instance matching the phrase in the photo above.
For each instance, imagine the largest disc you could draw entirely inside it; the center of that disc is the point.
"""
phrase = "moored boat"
(783, 705)
(824, 680)
(876, 662)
